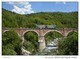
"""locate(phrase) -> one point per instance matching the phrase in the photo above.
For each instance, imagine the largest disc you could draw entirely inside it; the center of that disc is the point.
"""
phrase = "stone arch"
(69, 32)
(53, 31)
(26, 32)
(9, 30)
(24, 40)
(5, 31)
(30, 31)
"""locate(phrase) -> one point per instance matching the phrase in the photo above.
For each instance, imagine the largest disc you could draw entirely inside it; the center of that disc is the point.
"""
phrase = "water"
(50, 49)
(52, 46)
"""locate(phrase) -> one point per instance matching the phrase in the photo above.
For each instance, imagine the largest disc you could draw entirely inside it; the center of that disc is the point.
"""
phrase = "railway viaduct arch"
(41, 33)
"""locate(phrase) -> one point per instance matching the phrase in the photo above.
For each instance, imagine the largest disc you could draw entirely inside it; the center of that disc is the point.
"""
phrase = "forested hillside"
(12, 43)
(13, 20)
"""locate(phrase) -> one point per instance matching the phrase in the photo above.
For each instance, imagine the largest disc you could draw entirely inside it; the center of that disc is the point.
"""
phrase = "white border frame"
(40, 57)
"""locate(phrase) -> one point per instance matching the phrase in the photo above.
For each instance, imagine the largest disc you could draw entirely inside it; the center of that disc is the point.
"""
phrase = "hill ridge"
(61, 19)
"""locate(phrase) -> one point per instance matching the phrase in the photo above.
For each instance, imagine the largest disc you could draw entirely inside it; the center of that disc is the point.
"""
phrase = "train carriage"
(46, 26)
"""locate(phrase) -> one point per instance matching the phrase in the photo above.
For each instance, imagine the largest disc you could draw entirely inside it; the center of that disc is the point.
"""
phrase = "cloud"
(21, 7)
(64, 2)
(60, 2)
(18, 10)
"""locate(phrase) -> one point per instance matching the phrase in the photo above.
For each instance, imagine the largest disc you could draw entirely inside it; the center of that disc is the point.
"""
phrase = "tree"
(31, 42)
(69, 46)
(12, 42)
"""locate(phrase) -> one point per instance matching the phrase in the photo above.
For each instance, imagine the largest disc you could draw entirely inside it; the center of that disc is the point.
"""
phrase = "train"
(46, 26)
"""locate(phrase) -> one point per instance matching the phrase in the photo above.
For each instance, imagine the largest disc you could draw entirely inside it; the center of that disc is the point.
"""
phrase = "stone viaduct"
(41, 33)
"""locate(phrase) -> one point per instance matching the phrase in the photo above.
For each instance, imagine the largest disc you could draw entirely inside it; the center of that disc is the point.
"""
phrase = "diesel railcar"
(46, 26)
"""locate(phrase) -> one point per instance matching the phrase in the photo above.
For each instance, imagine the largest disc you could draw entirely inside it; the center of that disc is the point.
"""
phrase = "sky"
(21, 7)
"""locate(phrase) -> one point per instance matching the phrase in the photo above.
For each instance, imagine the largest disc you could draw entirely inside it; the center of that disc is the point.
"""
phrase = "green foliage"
(51, 36)
(71, 33)
(8, 50)
(11, 42)
(13, 20)
(31, 42)
(69, 46)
